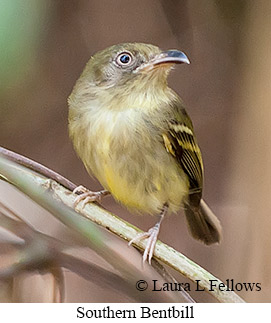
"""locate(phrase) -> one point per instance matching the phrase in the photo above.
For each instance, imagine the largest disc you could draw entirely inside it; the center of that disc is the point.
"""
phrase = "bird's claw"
(86, 196)
(151, 235)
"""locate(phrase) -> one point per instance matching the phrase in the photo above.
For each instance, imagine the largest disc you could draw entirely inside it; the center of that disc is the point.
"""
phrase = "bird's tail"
(203, 224)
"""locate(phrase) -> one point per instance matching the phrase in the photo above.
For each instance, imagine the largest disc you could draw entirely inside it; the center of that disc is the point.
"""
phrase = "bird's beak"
(168, 57)
(172, 56)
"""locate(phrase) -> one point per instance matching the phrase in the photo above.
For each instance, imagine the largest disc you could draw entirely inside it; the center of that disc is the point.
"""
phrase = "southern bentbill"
(133, 134)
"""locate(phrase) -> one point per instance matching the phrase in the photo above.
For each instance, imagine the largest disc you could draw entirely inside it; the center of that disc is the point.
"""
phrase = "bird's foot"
(151, 235)
(88, 196)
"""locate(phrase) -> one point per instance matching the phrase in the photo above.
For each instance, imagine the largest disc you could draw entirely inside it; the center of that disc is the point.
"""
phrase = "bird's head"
(128, 69)
(127, 62)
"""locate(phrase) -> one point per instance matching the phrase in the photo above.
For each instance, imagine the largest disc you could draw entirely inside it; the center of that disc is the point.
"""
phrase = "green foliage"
(20, 32)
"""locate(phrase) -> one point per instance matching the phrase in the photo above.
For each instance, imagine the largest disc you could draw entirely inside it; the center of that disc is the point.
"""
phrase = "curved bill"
(170, 57)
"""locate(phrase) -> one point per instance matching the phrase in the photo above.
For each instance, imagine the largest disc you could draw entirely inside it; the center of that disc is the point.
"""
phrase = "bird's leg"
(88, 196)
(152, 235)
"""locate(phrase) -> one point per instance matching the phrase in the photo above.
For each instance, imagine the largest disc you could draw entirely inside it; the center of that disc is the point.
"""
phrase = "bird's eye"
(124, 59)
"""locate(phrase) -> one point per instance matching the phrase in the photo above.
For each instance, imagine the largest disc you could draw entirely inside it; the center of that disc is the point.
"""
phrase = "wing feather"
(181, 143)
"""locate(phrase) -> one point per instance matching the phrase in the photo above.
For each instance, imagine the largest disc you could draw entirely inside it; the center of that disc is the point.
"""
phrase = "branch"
(24, 180)
(38, 168)
(38, 189)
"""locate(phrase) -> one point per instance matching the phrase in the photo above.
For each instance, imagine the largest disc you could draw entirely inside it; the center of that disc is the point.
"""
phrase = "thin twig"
(12, 213)
(58, 284)
(16, 227)
(38, 168)
(46, 253)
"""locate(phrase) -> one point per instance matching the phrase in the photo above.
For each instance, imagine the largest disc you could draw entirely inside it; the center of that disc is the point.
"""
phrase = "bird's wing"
(180, 142)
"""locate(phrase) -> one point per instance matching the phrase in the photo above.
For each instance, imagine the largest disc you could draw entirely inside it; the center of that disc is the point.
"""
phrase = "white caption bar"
(134, 311)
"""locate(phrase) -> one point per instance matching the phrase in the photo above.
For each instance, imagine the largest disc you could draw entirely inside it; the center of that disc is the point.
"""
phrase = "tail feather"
(203, 224)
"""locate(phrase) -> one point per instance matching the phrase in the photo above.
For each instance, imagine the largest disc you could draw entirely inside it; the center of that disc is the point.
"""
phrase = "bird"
(132, 133)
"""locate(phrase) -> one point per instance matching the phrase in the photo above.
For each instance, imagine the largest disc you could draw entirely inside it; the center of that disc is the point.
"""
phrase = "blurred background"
(45, 45)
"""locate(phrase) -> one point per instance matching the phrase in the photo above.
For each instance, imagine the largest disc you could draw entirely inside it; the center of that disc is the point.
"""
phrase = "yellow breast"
(127, 155)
